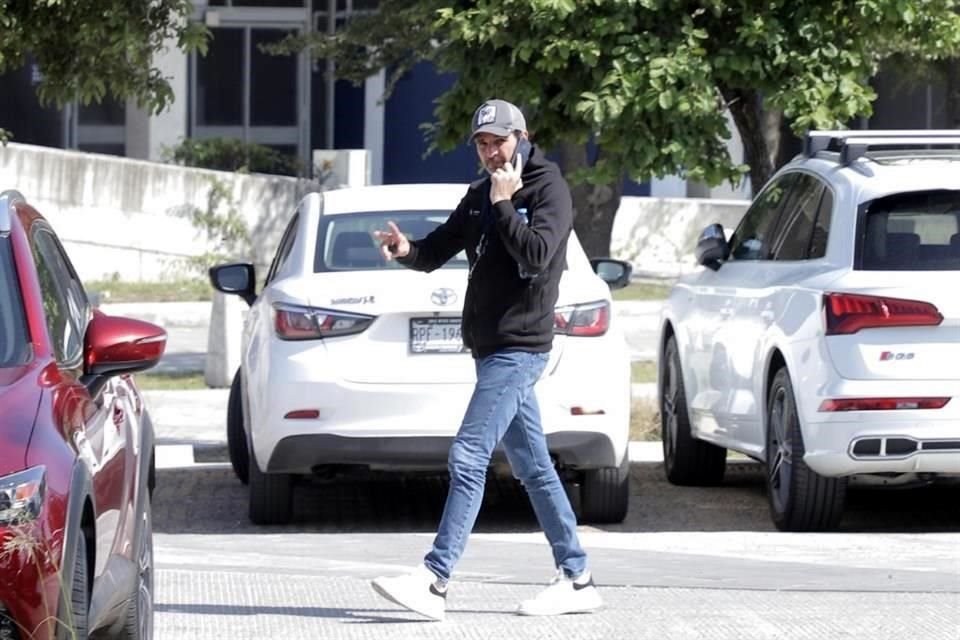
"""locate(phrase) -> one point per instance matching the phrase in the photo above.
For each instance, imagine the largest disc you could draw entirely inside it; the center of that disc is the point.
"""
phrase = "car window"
(751, 240)
(14, 347)
(286, 245)
(60, 308)
(821, 226)
(77, 301)
(798, 220)
(911, 232)
(345, 242)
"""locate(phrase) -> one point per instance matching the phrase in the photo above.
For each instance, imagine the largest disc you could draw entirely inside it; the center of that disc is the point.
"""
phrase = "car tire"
(687, 461)
(271, 495)
(139, 622)
(77, 621)
(236, 435)
(152, 472)
(800, 499)
(605, 494)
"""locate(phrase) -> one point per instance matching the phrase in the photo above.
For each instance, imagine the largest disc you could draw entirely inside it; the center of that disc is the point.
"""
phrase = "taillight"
(882, 404)
(294, 322)
(847, 313)
(591, 319)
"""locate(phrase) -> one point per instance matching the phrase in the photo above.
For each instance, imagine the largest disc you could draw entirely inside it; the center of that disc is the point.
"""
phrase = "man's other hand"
(393, 244)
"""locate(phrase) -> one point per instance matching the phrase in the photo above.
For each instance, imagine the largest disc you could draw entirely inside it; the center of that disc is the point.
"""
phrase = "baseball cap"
(498, 117)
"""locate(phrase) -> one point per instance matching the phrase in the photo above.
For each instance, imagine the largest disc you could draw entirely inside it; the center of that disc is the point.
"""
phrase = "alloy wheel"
(145, 580)
(780, 464)
(668, 411)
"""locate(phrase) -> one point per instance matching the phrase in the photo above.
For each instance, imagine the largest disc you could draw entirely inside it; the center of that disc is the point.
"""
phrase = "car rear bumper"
(412, 425)
(863, 446)
(306, 453)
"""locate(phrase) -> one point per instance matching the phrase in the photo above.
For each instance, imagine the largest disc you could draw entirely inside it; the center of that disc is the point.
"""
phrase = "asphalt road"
(686, 563)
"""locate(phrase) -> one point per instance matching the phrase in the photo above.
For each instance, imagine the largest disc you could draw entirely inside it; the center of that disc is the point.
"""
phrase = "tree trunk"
(951, 74)
(760, 132)
(594, 206)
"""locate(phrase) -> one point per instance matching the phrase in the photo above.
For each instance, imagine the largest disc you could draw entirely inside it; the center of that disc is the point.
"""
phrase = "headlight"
(21, 495)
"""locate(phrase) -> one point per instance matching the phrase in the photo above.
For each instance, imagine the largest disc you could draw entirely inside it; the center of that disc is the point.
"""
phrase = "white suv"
(350, 361)
(823, 338)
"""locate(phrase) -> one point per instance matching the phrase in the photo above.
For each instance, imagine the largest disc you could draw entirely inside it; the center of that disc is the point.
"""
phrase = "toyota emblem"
(443, 297)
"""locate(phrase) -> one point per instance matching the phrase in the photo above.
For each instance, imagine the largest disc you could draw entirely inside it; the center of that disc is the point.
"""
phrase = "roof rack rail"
(854, 144)
(7, 199)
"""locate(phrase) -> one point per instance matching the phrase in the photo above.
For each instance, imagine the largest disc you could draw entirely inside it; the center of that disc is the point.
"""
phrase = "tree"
(642, 87)
(86, 49)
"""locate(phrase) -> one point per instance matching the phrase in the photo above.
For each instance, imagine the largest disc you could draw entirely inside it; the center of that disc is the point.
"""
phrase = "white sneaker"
(420, 591)
(564, 595)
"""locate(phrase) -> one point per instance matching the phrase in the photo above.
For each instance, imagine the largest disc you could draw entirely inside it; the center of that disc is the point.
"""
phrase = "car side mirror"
(114, 345)
(712, 248)
(616, 273)
(238, 278)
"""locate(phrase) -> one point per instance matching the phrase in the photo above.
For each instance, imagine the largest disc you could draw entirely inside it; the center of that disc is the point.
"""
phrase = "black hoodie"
(517, 253)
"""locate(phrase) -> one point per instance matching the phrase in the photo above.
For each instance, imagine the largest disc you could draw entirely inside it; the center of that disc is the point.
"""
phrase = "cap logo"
(487, 114)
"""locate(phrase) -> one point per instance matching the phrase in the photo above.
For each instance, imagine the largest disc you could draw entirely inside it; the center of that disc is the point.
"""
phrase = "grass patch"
(644, 420)
(643, 291)
(168, 381)
(177, 290)
(642, 371)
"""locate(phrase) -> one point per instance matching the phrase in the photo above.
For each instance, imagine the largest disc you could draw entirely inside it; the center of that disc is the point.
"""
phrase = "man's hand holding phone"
(393, 244)
(505, 182)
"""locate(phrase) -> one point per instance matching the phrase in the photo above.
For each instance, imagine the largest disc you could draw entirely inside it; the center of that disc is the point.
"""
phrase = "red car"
(76, 448)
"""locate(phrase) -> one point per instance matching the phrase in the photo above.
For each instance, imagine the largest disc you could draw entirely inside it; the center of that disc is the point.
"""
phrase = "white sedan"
(823, 338)
(348, 360)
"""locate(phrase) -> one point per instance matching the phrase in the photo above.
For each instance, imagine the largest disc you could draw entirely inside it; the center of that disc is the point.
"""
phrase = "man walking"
(513, 225)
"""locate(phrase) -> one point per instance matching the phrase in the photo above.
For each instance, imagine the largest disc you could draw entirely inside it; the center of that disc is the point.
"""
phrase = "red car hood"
(20, 394)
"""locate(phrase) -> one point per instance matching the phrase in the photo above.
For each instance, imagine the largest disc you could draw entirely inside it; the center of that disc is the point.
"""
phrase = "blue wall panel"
(348, 123)
(410, 105)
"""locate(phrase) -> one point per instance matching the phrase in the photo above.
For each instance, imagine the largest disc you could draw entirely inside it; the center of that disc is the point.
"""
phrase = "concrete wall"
(124, 217)
(658, 235)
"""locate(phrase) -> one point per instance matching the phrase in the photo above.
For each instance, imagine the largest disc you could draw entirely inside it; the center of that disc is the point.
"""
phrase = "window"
(751, 240)
(821, 228)
(14, 345)
(346, 243)
(219, 94)
(283, 251)
(98, 127)
(795, 231)
(241, 92)
(911, 232)
(77, 300)
(59, 308)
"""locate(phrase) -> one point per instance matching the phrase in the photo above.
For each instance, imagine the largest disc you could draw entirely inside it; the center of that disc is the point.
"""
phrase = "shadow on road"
(204, 500)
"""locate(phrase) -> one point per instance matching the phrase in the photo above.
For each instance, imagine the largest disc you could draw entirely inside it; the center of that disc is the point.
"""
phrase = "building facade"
(295, 105)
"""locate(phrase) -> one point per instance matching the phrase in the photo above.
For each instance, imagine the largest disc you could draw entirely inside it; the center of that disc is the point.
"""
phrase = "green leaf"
(665, 99)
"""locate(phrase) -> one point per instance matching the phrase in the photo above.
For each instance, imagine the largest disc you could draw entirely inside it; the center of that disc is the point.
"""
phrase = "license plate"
(436, 335)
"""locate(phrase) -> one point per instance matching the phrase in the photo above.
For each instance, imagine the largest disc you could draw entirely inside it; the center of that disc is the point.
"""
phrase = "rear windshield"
(346, 243)
(911, 232)
(14, 349)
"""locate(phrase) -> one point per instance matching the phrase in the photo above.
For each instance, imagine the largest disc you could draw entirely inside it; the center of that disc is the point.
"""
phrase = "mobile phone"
(522, 151)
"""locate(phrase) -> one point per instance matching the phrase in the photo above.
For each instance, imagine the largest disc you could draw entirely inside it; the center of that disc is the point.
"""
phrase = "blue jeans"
(504, 406)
